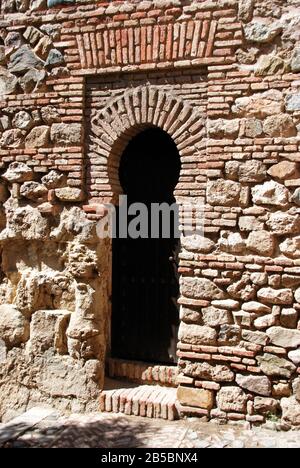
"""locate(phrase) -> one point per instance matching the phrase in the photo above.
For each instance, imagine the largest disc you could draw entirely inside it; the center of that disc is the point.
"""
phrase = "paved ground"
(46, 428)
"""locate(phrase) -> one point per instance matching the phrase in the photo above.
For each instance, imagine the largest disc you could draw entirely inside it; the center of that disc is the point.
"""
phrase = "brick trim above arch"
(123, 118)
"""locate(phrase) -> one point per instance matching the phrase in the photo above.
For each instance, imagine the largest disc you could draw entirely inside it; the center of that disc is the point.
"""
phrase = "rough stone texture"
(261, 33)
(291, 247)
(221, 78)
(276, 296)
(196, 243)
(293, 102)
(280, 126)
(48, 330)
(196, 334)
(261, 242)
(266, 406)
(289, 318)
(8, 82)
(272, 365)
(260, 105)
(284, 337)
(223, 128)
(283, 223)
(252, 171)
(221, 192)
(271, 193)
(284, 170)
(195, 397)
(14, 328)
(18, 172)
(216, 373)
(213, 317)
(201, 288)
(232, 242)
(66, 134)
(294, 356)
(291, 411)
(232, 399)
(38, 137)
(33, 190)
(69, 194)
(23, 59)
(242, 289)
(259, 385)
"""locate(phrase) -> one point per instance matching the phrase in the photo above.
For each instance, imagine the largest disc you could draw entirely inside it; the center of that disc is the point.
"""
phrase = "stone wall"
(77, 81)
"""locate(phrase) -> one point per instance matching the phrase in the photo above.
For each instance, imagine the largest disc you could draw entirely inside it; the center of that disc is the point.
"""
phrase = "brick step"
(142, 373)
(151, 401)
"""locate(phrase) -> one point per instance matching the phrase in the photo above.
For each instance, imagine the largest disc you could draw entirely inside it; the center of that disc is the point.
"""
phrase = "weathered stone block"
(18, 172)
(33, 190)
(283, 223)
(294, 356)
(66, 134)
(290, 411)
(276, 296)
(223, 128)
(48, 330)
(266, 405)
(266, 321)
(261, 33)
(256, 307)
(190, 316)
(284, 170)
(195, 397)
(272, 365)
(284, 337)
(260, 105)
(69, 194)
(8, 82)
(291, 247)
(197, 334)
(280, 126)
(223, 192)
(38, 137)
(196, 243)
(24, 59)
(214, 317)
(232, 242)
(232, 399)
(256, 384)
(12, 138)
(229, 334)
(14, 327)
(261, 242)
(206, 371)
(293, 102)
(242, 289)
(289, 318)
(201, 288)
(255, 337)
(271, 193)
(23, 120)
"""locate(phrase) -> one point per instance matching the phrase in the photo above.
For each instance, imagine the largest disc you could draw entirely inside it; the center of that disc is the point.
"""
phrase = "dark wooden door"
(145, 314)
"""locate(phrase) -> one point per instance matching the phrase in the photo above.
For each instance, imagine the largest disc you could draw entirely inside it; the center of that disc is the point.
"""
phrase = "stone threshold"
(151, 401)
(142, 373)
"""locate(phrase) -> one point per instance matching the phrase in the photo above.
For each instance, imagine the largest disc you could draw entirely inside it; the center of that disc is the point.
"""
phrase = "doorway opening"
(145, 286)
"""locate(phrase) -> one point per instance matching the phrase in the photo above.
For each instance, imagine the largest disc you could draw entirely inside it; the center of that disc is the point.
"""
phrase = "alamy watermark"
(151, 221)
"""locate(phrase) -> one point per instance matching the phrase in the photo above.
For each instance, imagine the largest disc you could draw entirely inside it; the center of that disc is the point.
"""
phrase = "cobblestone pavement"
(46, 428)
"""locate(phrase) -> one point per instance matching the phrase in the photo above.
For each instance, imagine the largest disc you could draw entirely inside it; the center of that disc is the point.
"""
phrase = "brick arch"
(136, 110)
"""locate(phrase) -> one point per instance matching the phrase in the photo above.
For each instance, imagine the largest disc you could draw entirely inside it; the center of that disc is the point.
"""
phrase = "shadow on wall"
(109, 433)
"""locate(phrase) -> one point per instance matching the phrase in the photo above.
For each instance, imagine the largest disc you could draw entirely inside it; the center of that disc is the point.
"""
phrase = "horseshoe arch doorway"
(145, 286)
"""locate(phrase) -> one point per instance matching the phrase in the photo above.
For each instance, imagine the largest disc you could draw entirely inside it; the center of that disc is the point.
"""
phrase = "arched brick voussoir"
(143, 107)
